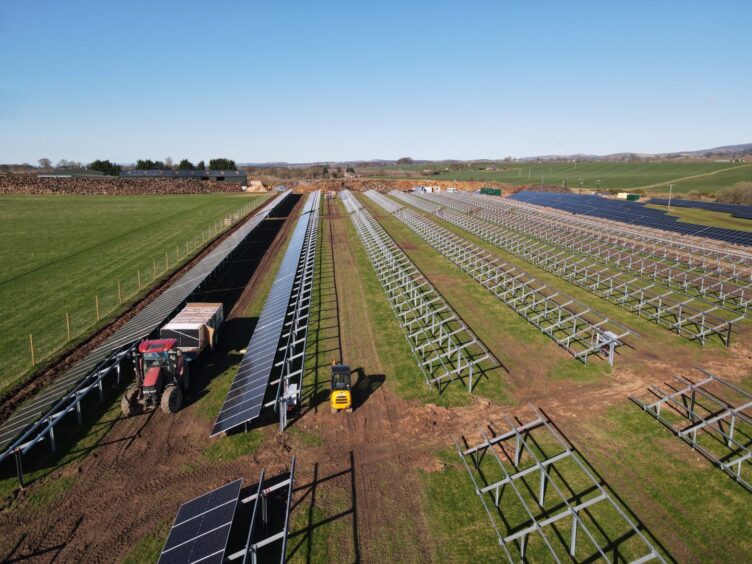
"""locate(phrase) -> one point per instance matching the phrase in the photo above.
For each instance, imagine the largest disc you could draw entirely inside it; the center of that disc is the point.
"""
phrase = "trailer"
(195, 328)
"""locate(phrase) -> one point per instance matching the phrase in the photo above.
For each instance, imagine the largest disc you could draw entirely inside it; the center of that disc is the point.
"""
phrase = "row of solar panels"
(736, 210)
(630, 212)
(246, 396)
(26, 422)
(202, 527)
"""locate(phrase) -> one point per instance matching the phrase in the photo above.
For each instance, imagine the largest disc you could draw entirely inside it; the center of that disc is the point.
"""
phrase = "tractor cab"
(340, 396)
(161, 378)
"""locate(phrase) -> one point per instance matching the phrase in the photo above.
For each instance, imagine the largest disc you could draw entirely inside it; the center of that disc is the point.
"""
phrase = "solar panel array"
(246, 396)
(633, 213)
(32, 420)
(736, 210)
(202, 527)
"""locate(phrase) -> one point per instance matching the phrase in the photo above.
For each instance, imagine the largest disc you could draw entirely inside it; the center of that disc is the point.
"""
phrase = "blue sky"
(313, 81)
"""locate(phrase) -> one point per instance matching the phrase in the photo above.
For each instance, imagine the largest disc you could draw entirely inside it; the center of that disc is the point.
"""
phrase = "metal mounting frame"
(517, 457)
(712, 286)
(577, 328)
(255, 541)
(294, 340)
(698, 413)
(668, 308)
(444, 347)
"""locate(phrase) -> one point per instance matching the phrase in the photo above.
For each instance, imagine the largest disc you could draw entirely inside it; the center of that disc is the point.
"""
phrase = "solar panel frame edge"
(286, 277)
(175, 523)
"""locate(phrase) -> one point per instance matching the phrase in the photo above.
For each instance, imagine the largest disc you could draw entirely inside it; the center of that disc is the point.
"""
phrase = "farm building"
(237, 176)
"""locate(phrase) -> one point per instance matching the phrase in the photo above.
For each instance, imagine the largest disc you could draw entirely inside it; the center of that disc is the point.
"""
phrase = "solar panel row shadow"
(736, 210)
(246, 396)
(23, 421)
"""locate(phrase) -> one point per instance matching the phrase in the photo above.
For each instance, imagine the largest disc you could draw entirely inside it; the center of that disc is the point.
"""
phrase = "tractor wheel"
(186, 378)
(172, 399)
(129, 404)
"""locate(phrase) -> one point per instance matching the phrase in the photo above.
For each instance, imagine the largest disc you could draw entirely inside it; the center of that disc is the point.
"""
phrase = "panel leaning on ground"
(687, 316)
(443, 346)
(35, 420)
(286, 307)
(577, 328)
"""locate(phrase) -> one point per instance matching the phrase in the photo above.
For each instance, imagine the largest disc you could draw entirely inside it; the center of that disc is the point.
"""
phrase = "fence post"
(67, 324)
(177, 253)
(31, 346)
(154, 268)
(139, 279)
(120, 295)
(166, 262)
(96, 301)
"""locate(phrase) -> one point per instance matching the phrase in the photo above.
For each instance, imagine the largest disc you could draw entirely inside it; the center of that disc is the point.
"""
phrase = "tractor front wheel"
(172, 399)
(129, 402)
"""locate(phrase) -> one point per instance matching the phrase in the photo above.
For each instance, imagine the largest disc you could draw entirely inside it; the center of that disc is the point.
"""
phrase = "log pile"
(111, 186)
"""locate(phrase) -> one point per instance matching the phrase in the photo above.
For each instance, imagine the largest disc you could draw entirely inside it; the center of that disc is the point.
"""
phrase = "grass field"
(62, 254)
(654, 177)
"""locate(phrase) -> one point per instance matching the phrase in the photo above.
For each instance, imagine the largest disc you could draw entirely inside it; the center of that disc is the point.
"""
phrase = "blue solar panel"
(246, 395)
(202, 527)
(633, 213)
(736, 210)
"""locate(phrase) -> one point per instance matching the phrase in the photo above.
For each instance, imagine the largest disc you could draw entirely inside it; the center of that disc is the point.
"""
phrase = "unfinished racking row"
(544, 501)
(580, 330)
(443, 346)
(668, 308)
(710, 286)
(712, 415)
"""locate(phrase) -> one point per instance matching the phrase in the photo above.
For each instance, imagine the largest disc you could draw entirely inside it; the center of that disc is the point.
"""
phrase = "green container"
(633, 197)
(491, 191)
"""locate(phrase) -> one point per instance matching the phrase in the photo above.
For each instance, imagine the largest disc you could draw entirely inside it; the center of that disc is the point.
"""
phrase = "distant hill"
(724, 152)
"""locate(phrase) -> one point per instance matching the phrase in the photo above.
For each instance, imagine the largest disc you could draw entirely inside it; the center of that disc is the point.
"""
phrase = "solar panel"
(202, 527)
(246, 396)
(634, 213)
(21, 425)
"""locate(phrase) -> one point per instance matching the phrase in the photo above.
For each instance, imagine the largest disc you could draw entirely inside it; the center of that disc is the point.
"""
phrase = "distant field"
(655, 177)
(59, 252)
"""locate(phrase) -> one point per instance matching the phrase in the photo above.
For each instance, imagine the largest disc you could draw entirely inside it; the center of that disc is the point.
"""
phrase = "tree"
(148, 164)
(350, 170)
(200, 165)
(325, 169)
(185, 164)
(45, 163)
(404, 161)
(168, 162)
(105, 167)
(222, 164)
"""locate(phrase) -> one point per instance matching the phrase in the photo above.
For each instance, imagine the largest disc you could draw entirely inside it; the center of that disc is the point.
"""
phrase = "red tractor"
(161, 378)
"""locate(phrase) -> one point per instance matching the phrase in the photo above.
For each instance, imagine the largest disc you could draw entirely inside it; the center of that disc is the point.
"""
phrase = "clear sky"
(311, 81)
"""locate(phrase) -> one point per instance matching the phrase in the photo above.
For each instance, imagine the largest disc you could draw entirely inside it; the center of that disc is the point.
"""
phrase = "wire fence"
(25, 351)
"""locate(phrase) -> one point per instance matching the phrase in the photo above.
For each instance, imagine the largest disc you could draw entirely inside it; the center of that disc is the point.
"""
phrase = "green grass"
(400, 363)
(707, 217)
(47, 493)
(61, 253)
(225, 449)
(676, 492)
(703, 177)
(149, 547)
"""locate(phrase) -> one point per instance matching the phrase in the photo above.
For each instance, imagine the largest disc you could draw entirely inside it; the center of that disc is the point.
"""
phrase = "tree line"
(111, 169)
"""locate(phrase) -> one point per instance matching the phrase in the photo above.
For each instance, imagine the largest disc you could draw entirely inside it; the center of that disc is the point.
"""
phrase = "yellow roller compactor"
(340, 395)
